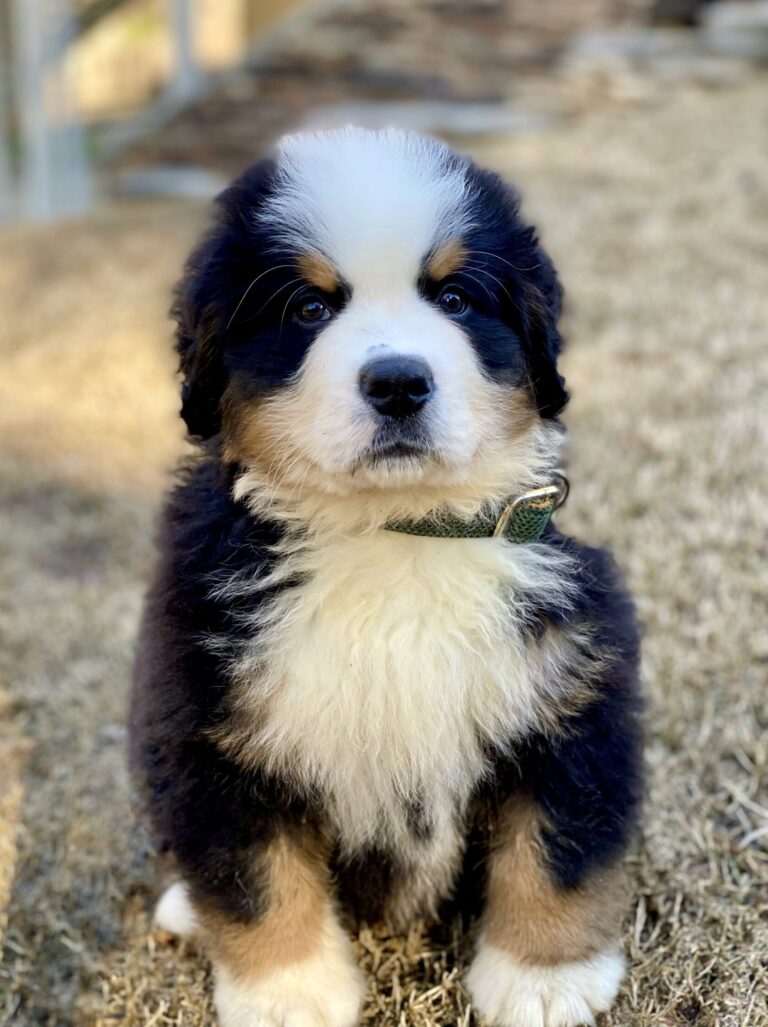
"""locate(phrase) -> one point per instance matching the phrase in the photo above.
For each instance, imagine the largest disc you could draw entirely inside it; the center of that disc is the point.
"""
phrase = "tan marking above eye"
(446, 259)
(319, 271)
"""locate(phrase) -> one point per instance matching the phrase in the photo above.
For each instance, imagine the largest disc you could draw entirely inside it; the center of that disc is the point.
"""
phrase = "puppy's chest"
(381, 677)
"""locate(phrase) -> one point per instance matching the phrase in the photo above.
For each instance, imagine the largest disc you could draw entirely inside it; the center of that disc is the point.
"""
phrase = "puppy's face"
(370, 313)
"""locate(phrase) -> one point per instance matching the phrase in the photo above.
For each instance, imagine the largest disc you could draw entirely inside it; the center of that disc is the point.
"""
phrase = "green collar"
(522, 519)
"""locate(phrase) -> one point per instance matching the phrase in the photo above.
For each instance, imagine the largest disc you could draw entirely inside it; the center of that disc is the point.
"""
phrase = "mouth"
(396, 451)
(402, 442)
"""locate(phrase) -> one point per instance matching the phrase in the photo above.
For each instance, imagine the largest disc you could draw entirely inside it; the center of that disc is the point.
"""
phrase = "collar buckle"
(526, 517)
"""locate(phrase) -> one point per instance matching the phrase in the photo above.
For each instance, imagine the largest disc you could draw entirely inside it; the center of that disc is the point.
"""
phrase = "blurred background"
(637, 131)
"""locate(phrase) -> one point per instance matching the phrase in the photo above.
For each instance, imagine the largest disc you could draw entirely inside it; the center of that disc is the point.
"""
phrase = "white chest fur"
(378, 679)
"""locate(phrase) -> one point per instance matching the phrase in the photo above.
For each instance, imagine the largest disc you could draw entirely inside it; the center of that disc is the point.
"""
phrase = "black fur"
(218, 817)
(587, 778)
(214, 816)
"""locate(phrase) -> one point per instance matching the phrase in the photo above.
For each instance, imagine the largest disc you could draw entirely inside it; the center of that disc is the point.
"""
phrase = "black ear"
(542, 302)
(215, 278)
(535, 299)
(198, 343)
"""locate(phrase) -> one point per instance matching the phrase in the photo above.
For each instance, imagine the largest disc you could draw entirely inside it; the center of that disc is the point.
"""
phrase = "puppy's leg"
(288, 965)
(548, 955)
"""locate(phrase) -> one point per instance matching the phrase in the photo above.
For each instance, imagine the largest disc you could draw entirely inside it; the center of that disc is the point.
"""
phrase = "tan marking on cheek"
(319, 271)
(291, 928)
(505, 414)
(520, 412)
(248, 432)
(244, 435)
(446, 259)
(528, 915)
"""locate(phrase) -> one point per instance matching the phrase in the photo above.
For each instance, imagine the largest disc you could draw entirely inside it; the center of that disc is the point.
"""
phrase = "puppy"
(372, 676)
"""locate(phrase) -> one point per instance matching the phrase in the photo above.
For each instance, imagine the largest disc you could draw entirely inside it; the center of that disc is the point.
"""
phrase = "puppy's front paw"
(324, 991)
(300, 996)
(510, 994)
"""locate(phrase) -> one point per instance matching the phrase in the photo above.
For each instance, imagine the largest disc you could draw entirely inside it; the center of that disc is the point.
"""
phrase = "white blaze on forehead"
(375, 203)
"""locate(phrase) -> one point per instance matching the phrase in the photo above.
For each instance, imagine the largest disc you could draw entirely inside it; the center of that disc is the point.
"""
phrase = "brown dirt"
(657, 218)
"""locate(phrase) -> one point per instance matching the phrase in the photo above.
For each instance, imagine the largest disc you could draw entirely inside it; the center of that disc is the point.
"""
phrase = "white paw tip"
(511, 994)
(175, 913)
(325, 990)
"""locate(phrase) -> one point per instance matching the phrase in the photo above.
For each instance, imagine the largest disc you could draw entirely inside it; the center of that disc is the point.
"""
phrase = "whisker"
(288, 301)
(277, 267)
(482, 270)
(286, 285)
(273, 483)
(485, 288)
(303, 480)
(277, 458)
(487, 253)
(287, 469)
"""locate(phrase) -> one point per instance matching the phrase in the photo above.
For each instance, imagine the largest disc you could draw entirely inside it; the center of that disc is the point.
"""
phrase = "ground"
(656, 215)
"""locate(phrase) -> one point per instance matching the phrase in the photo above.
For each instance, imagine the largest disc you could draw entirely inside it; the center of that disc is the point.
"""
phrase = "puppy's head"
(370, 314)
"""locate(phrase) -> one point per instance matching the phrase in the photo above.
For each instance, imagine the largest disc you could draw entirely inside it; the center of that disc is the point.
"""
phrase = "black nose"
(396, 386)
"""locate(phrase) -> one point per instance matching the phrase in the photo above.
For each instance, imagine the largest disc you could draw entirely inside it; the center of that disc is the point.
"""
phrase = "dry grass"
(657, 217)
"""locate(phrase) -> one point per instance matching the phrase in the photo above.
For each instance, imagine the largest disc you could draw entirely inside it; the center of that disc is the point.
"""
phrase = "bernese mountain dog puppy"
(373, 678)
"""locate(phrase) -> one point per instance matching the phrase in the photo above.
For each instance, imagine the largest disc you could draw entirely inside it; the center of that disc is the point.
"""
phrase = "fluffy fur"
(324, 991)
(311, 682)
(511, 994)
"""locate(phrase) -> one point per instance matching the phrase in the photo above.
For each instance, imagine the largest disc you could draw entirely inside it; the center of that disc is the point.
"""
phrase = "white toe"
(511, 994)
(566, 1009)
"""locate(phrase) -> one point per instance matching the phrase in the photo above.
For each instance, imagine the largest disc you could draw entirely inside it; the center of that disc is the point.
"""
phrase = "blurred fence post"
(73, 189)
(27, 46)
(186, 78)
(54, 177)
(7, 183)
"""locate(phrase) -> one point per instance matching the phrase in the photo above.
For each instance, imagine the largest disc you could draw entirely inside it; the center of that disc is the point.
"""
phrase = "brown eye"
(452, 301)
(312, 310)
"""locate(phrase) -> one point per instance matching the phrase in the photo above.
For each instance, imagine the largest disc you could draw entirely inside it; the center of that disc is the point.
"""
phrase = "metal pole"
(27, 45)
(7, 183)
(73, 185)
(54, 174)
(185, 78)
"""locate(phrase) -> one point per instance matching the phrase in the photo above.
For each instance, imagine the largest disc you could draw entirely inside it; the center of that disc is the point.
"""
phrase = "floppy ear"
(198, 344)
(208, 294)
(535, 301)
(542, 302)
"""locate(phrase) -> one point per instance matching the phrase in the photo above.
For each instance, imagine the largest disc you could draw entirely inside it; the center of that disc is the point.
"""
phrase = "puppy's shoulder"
(204, 531)
(598, 597)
